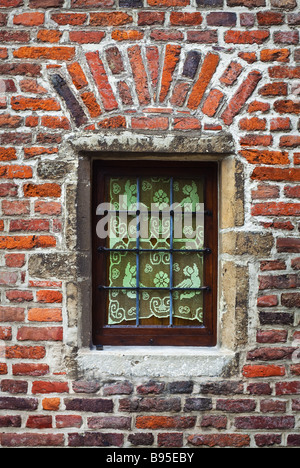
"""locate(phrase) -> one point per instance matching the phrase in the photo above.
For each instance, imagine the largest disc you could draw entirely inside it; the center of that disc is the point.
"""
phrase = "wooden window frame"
(128, 335)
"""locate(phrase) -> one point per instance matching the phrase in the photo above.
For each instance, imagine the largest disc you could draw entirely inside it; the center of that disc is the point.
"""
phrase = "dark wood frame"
(120, 335)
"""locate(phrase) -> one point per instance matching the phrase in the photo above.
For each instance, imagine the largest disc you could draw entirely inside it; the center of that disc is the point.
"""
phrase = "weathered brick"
(172, 55)
(96, 405)
(101, 80)
(246, 37)
(118, 18)
(219, 440)
(47, 53)
(29, 19)
(208, 69)
(240, 97)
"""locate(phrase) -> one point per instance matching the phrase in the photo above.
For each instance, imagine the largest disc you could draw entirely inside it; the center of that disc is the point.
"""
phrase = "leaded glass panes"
(154, 268)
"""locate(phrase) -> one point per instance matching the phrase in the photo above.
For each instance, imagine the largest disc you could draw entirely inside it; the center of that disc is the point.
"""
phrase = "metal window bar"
(138, 254)
(138, 251)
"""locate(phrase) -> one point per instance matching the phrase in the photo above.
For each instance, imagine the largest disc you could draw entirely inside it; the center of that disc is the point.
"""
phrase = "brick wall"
(71, 68)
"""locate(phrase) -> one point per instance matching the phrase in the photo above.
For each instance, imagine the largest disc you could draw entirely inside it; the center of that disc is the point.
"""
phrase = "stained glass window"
(152, 240)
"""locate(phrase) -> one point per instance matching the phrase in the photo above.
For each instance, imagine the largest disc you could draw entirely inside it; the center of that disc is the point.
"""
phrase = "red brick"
(179, 95)
(74, 19)
(31, 86)
(16, 207)
(168, 3)
(249, 57)
(101, 79)
(139, 74)
(43, 190)
(246, 37)
(46, 3)
(34, 370)
(270, 18)
(29, 19)
(117, 18)
(7, 154)
(289, 141)
(47, 53)
(280, 124)
(286, 37)
(15, 172)
(55, 122)
(257, 106)
(150, 123)
(91, 104)
(256, 140)
(271, 336)
(125, 93)
(5, 335)
(209, 36)
(219, 440)
(64, 421)
(25, 352)
(14, 295)
(287, 107)
(243, 93)
(118, 121)
(288, 244)
(208, 69)
(275, 55)
(86, 37)
(11, 314)
(185, 19)
(10, 3)
(265, 191)
(10, 121)
(212, 102)
(34, 104)
(148, 18)
(49, 297)
(170, 35)
(259, 371)
(276, 209)
(288, 388)
(274, 89)
(172, 56)
(49, 208)
(265, 157)
(15, 260)
(276, 174)
(40, 334)
(43, 387)
(38, 151)
(253, 124)
(165, 422)
(26, 242)
(279, 72)
(152, 53)
(39, 422)
(187, 123)
(127, 35)
(49, 35)
(231, 74)
(267, 301)
(292, 192)
(14, 36)
(8, 278)
(114, 60)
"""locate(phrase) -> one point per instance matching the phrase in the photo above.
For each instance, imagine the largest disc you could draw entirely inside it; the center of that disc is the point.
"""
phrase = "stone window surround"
(221, 360)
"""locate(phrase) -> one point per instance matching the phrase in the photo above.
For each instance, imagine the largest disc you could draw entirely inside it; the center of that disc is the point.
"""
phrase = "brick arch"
(154, 87)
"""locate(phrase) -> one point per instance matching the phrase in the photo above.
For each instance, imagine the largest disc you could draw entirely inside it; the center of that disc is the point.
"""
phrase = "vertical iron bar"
(138, 254)
(171, 249)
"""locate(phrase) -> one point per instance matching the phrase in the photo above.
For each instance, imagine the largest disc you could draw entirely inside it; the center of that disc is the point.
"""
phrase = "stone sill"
(157, 362)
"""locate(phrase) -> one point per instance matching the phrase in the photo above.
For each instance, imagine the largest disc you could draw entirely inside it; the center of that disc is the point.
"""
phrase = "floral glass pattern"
(152, 276)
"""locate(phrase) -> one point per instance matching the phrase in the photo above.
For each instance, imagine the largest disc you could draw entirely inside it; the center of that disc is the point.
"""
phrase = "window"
(155, 246)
